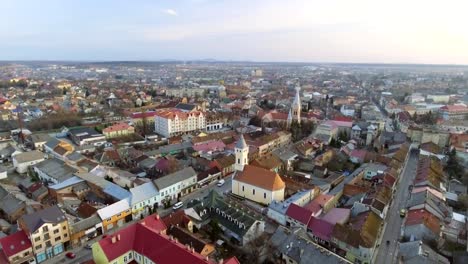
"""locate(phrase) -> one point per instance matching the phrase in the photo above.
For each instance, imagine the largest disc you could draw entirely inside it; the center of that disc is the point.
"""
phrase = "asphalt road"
(387, 254)
(83, 254)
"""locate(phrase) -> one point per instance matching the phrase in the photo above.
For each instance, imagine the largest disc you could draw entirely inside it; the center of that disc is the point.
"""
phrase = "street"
(83, 254)
(392, 227)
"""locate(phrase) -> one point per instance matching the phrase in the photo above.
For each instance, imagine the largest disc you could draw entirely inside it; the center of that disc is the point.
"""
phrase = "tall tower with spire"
(242, 154)
(296, 106)
(289, 120)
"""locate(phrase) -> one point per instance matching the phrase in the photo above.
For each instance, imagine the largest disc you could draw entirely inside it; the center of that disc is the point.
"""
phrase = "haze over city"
(362, 31)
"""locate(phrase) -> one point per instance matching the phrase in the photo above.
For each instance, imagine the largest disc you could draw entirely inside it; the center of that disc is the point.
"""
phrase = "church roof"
(241, 144)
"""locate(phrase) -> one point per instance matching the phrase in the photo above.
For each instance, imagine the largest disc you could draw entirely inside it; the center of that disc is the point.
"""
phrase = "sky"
(357, 31)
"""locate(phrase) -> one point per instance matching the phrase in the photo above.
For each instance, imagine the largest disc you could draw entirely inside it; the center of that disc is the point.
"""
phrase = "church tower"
(296, 106)
(242, 154)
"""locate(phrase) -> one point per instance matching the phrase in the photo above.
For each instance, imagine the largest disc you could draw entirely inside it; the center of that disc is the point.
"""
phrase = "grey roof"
(298, 246)
(72, 181)
(49, 215)
(169, 148)
(29, 156)
(9, 204)
(52, 143)
(86, 223)
(75, 156)
(7, 151)
(416, 252)
(186, 107)
(241, 143)
(40, 138)
(143, 192)
(175, 177)
(56, 169)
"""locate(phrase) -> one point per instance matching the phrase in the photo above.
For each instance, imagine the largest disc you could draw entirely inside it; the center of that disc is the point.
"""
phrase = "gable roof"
(298, 213)
(261, 178)
(143, 192)
(29, 156)
(174, 178)
(15, 243)
(113, 209)
(48, 215)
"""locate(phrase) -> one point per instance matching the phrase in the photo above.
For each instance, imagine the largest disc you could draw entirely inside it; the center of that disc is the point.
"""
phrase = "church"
(254, 183)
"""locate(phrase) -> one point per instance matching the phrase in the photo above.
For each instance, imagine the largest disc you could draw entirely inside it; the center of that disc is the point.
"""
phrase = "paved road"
(387, 253)
(83, 254)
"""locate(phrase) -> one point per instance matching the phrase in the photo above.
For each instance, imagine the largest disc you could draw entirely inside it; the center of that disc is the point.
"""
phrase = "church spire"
(296, 106)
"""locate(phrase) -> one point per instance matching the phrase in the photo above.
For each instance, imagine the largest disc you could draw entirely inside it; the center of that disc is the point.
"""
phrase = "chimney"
(118, 237)
(157, 216)
(113, 240)
(221, 261)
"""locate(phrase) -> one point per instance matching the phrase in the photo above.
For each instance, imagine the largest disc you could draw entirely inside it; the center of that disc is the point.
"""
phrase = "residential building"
(118, 130)
(144, 199)
(454, 112)
(22, 161)
(115, 215)
(177, 184)
(48, 232)
(173, 122)
(86, 136)
(258, 185)
(277, 210)
(16, 249)
(418, 252)
(53, 171)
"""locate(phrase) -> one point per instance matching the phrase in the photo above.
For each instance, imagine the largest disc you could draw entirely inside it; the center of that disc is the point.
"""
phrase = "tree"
(255, 121)
(215, 230)
(453, 167)
(259, 249)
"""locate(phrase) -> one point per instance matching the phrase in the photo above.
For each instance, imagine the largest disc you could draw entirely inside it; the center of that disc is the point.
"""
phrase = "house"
(277, 209)
(118, 130)
(297, 216)
(225, 164)
(115, 215)
(186, 238)
(269, 162)
(295, 246)
(321, 231)
(139, 243)
(85, 229)
(358, 238)
(22, 161)
(421, 224)
(3, 172)
(48, 231)
(11, 208)
(145, 198)
(16, 249)
(239, 223)
(176, 184)
(39, 140)
(208, 176)
(53, 171)
(414, 252)
(58, 148)
(86, 136)
(258, 185)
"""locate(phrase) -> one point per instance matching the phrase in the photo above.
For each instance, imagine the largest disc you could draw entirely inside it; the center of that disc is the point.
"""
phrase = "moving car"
(402, 212)
(177, 205)
(220, 183)
(70, 255)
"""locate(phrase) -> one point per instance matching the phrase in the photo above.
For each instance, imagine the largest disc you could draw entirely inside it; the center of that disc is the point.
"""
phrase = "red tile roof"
(261, 178)
(154, 245)
(320, 228)
(15, 243)
(154, 223)
(298, 213)
(117, 127)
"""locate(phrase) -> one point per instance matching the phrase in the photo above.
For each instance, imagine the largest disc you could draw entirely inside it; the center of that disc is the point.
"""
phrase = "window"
(25, 254)
(65, 235)
(46, 237)
(238, 161)
(253, 191)
(264, 195)
(58, 238)
(48, 244)
(37, 239)
(56, 231)
(45, 229)
(242, 188)
(125, 258)
(64, 227)
(38, 247)
(130, 255)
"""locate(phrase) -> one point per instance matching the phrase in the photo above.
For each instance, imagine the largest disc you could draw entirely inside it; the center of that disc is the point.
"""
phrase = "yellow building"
(48, 232)
(258, 185)
(118, 130)
(115, 215)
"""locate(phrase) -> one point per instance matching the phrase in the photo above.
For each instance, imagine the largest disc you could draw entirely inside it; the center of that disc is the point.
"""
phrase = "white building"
(22, 161)
(176, 184)
(174, 122)
(347, 110)
(143, 198)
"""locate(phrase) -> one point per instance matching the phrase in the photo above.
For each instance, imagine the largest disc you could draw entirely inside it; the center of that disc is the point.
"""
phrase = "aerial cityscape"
(215, 132)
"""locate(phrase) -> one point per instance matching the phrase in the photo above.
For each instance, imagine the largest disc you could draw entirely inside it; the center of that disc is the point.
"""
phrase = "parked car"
(177, 205)
(88, 246)
(403, 212)
(70, 255)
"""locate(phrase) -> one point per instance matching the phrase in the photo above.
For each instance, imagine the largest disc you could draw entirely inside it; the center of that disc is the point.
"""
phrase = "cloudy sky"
(393, 31)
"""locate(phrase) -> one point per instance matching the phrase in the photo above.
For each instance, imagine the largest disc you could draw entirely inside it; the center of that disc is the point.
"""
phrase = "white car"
(220, 183)
(177, 206)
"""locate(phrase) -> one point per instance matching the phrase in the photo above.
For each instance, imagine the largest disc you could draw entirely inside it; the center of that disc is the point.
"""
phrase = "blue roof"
(73, 180)
(116, 191)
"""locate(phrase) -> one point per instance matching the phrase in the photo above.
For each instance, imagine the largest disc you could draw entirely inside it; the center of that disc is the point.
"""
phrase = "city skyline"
(420, 32)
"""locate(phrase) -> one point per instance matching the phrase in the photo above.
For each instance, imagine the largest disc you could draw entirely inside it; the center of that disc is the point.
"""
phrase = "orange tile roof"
(260, 177)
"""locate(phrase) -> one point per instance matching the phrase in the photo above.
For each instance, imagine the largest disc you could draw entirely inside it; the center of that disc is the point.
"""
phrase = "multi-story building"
(454, 112)
(176, 184)
(144, 198)
(115, 215)
(185, 92)
(118, 130)
(174, 122)
(48, 232)
(16, 249)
